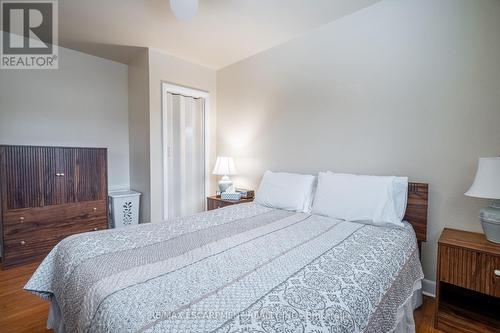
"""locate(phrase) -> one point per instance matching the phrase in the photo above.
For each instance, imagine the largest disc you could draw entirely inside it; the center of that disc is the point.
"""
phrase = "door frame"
(167, 87)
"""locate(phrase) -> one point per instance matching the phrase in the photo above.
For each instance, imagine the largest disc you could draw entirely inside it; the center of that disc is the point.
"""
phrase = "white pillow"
(360, 198)
(400, 189)
(400, 193)
(289, 191)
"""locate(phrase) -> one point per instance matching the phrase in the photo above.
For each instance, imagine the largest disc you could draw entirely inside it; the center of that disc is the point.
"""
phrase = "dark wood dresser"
(47, 194)
(468, 283)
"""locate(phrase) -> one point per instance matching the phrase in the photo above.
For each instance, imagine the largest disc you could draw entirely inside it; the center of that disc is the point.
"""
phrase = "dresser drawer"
(28, 245)
(62, 213)
(470, 269)
(30, 234)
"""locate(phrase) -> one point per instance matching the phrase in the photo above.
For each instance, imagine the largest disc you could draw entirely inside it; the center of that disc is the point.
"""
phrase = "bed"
(242, 268)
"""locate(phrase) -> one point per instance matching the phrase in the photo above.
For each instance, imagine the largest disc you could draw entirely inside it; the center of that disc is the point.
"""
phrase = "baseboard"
(429, 288)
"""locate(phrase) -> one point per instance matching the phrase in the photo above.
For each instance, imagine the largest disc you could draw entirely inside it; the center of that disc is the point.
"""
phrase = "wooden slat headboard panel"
(416, 209)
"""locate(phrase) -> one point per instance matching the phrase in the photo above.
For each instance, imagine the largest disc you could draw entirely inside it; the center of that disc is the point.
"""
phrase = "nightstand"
(468, 283)
(214, 202)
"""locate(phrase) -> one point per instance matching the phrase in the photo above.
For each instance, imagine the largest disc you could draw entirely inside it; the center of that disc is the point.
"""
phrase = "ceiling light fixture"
(184, 9)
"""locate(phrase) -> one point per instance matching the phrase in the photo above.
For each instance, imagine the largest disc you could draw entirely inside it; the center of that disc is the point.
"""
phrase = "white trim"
(167, 87)
(123, 187)
(429, 288)
(176, 89)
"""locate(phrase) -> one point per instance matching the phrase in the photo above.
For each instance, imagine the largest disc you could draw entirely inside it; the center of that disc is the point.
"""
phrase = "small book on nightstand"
(246, 194)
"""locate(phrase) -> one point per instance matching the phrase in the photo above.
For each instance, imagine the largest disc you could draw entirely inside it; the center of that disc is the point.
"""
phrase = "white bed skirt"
(405, 323)
(55, 322)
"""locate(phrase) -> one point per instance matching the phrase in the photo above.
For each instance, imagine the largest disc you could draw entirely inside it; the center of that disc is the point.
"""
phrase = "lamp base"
(224, 183)
(490, 220)
(495, 204)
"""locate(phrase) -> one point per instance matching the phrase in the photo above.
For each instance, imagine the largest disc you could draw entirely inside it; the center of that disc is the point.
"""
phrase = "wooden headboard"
(416, 209)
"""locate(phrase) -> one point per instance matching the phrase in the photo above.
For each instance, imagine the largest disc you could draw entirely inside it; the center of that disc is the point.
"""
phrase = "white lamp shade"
(487, 182)
(224, 166)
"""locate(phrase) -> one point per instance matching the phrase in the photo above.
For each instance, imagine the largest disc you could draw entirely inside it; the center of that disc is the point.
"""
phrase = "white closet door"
(184, 128)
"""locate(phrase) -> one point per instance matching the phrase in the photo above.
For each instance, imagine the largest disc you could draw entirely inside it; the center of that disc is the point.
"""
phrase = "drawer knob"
(21, 218)
(23, 243)
(497, 272)
(94, 209)
(96, 228)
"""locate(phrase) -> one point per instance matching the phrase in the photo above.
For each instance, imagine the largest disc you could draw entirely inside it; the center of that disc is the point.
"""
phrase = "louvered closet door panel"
(21, 177)
(90, 174)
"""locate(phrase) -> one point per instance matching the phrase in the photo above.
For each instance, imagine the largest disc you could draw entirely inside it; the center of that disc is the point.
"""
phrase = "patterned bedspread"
(243, 268)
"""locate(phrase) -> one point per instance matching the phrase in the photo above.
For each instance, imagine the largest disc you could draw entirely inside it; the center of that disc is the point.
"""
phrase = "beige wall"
(83, 103)
(138, 91)
(404, 87)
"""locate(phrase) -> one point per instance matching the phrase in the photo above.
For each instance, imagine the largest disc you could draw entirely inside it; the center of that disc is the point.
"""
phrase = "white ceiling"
(223, 32)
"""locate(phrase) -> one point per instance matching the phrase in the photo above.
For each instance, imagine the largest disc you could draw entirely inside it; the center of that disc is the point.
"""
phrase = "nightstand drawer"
(470, 269)
(214, 202)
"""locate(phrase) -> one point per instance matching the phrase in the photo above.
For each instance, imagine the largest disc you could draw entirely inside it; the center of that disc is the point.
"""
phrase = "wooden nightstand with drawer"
(214, 202)
(468, 283)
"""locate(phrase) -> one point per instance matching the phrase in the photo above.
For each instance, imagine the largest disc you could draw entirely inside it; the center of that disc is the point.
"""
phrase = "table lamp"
(487, 185)
(224, 166)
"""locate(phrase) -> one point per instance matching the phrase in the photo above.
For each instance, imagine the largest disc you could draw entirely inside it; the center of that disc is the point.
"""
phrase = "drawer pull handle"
(21, 218)
(95, 229)
(58, 174)
(23, 243)
(94, 209)
(62, 174)
(497, 272)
